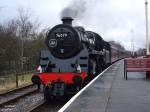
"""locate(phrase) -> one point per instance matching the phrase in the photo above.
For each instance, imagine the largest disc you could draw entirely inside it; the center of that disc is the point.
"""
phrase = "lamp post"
(146, 18)
(147, 42)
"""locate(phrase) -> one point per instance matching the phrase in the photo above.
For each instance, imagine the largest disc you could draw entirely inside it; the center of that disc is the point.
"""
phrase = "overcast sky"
(119, 20)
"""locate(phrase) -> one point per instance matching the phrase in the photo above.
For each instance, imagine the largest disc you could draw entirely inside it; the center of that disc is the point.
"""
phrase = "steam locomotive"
(73, 58)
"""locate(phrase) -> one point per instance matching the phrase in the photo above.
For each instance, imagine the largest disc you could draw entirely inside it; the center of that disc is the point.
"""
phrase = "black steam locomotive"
(73, 58)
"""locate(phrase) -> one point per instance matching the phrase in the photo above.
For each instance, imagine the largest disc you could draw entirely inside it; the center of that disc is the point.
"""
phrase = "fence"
(11, 80)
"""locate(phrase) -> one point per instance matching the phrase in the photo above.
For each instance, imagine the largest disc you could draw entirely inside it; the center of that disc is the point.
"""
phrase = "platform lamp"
(147, 42)
(146, 25)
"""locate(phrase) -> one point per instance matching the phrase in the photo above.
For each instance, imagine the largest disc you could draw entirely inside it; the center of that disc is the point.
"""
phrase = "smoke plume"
(75, 10)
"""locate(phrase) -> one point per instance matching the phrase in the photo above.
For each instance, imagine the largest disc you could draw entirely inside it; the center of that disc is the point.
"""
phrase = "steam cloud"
(75, 10)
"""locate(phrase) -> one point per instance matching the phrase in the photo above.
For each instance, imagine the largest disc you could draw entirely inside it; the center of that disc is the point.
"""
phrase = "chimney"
(67, 20)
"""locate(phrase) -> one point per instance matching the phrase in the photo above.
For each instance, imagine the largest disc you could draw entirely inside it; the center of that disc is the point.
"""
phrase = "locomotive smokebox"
(67, 20)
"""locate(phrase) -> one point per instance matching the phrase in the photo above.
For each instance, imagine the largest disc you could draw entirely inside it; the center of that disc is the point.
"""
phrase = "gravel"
(23, 104)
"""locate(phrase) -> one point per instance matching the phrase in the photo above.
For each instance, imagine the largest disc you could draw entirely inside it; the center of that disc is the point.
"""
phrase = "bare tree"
(20, 39)
(8, 44)
(26, 28)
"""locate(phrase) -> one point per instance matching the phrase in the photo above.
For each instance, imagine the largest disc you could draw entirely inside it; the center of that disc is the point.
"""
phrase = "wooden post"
(148, 72)
(147, 75)
(124, 67)
(16, 79)
(126, 75)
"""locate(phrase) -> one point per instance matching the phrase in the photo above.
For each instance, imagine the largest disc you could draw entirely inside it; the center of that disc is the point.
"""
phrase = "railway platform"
(110, 92)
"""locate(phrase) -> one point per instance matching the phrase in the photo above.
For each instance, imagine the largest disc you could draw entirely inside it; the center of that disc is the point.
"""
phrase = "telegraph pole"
(146, 18)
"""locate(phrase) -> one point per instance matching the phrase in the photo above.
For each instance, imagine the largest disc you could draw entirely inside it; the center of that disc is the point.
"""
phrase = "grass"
(8, 82)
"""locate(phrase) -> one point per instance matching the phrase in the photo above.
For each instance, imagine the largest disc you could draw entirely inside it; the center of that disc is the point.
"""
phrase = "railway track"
(51, 106)
(33, 102)
(35, 106)
(11, 99)
(15, 90)
(16, 94)
(23, 104)
(28, 99)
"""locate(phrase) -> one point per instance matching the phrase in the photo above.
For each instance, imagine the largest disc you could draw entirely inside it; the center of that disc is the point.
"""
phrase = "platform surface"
(112, 93)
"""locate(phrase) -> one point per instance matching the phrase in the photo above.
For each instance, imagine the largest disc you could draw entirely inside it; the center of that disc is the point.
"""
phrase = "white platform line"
(83, 89)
